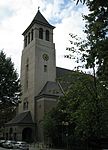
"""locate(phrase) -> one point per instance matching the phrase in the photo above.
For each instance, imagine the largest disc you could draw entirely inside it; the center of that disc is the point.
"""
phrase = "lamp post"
(66, 124)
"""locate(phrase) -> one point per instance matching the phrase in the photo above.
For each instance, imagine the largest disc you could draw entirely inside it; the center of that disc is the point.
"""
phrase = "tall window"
(40, 33)
(47, 35)
(45, 68)
(32, 35)
(28, 37)
(25, 41)
(26, 74)
(25, 104)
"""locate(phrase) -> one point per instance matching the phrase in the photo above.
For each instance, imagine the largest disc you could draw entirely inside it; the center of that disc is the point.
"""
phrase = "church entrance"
(27, 135)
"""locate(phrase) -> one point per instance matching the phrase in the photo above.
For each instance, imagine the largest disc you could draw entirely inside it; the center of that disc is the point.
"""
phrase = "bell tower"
(40, 91)
(38, 62)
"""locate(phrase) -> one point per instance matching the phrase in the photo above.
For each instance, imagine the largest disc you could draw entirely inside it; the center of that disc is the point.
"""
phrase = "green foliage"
(82, 1)
(50, 124)
(95, 2)
(80, 114)
(52, 127)
(9, 87)
(96, 31)
(85, 105)
(92, 111)
(94, 48)
(83, 111)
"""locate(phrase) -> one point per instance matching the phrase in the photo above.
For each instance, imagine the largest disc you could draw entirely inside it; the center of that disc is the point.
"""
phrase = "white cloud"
(65, 16)
(71, 23)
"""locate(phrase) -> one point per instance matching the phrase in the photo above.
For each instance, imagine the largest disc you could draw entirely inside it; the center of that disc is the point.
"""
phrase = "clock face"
(45, 57)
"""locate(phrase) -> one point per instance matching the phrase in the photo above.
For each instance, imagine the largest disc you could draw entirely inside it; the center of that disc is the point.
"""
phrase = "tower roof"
(39, 19)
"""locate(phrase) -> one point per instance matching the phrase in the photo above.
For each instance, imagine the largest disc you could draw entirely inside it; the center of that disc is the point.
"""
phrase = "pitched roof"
(62, 76)
(39, 19)
(60, 72)
(22, 118)
(55, 89)
(51, 89)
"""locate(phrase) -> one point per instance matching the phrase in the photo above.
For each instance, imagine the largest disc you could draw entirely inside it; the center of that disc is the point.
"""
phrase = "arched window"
(47, 35)
(40, 33)
(32, 36)
(25, 104)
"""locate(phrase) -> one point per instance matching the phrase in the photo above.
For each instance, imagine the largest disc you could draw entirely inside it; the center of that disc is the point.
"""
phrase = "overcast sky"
(16, 15)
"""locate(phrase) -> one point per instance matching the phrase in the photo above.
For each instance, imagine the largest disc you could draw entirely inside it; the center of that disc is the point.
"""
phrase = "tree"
(90, 104)
(97, 39)
(94, 1)
(82, 1)
(76, 112)
(9, 88)
(52, 127)
(94, 53)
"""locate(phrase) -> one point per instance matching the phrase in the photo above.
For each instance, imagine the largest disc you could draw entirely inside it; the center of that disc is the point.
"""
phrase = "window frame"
(47, 35)
(40, 33)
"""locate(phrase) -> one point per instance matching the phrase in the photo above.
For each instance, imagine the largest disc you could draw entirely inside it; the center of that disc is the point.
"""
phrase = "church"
(40, 87)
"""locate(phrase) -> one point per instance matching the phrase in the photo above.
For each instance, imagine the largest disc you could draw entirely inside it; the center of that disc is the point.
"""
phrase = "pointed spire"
(39, 19)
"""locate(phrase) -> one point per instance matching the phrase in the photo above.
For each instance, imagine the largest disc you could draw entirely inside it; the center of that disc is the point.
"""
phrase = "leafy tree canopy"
(84, 106)
(94, 2)
(92, 120)
(9, 84)
(96, 31)
(79, 114)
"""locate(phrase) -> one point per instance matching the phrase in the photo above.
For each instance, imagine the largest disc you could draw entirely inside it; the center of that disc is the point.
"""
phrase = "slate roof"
(39, 19)
(22, 118)
(63, 78)
(55, 89)
(60, 72)
(51, 89)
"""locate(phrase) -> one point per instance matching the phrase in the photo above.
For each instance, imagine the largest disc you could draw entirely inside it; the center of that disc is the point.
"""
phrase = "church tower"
(40, 90)
(38, 61)
(38, 66)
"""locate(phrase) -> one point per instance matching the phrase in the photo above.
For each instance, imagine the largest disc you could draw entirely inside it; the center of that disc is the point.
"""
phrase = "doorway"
(27, 135)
